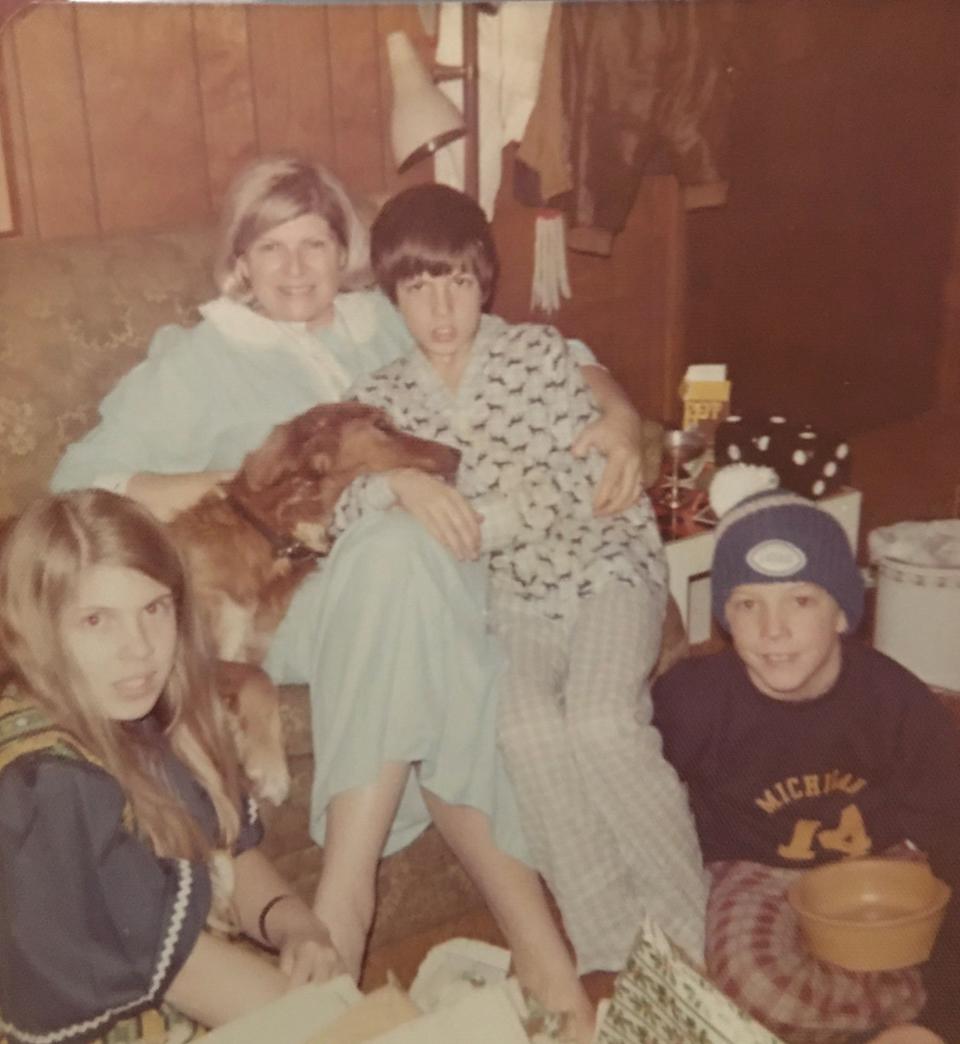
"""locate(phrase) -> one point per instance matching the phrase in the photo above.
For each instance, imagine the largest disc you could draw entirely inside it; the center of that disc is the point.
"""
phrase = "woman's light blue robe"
(390, 634)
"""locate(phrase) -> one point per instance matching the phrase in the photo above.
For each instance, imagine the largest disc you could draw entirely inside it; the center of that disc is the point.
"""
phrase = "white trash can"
(917, 619)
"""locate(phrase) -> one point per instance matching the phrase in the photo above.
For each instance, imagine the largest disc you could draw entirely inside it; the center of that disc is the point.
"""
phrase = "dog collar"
(284, 545)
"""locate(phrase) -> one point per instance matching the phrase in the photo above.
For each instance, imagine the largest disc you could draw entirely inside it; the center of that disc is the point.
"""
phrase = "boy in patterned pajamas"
(577, 600)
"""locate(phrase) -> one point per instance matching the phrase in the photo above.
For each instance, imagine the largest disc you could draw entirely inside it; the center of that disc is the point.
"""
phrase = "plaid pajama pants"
(757, 956)
(605, 815)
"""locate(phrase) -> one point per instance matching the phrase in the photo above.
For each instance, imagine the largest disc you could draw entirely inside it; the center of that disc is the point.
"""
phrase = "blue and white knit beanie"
(768, 535)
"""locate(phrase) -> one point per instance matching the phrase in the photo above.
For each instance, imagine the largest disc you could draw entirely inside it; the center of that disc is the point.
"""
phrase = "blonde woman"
(125, 835)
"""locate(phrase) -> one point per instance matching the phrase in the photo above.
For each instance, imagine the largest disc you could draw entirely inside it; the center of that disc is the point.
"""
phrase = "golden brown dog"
(249, 543)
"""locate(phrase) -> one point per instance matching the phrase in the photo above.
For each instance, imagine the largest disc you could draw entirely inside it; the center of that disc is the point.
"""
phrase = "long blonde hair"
(273, 190)
(41, 559)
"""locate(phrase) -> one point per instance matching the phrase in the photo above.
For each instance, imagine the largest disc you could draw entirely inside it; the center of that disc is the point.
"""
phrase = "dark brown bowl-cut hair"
(432, 229)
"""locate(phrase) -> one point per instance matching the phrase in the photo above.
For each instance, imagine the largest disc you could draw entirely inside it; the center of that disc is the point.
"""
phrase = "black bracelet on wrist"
(262, 920)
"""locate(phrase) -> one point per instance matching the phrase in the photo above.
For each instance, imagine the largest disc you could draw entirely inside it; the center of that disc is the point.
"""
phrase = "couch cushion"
(75, 315)
(295, 715)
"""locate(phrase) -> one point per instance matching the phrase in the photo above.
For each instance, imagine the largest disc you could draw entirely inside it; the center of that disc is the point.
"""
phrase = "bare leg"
(516, 899)
(358, 821)
(907, 1034)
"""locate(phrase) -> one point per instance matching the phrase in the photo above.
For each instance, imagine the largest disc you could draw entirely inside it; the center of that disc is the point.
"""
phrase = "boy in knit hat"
(802, 746)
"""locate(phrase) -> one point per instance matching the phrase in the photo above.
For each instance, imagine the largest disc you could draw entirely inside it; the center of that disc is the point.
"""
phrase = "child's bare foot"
(555, 985)
(907, 1034)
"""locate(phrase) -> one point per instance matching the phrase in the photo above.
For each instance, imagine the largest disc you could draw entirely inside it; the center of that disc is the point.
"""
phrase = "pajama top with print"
(520, 404)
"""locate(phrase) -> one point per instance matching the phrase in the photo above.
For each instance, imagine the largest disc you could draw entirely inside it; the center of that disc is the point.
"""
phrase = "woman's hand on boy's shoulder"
(618, 435)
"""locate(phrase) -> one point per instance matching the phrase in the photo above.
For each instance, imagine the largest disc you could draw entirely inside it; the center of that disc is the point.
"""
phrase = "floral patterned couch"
(74, 316)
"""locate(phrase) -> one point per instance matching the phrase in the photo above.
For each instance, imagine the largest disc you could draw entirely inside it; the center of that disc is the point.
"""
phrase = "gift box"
(705, 393)
(809, 461)
(660, 998)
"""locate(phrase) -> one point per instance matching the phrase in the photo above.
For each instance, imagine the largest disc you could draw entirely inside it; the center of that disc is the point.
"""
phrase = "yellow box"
(705, 405)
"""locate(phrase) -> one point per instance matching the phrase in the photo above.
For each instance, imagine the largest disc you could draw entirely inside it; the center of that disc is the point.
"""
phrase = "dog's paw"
(254, 718)
(269, 778)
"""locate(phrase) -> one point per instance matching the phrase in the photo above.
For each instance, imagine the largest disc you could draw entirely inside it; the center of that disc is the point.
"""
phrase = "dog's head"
(296, 476)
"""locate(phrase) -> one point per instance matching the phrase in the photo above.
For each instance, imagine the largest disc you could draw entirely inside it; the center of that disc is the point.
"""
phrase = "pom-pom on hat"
(767, 535)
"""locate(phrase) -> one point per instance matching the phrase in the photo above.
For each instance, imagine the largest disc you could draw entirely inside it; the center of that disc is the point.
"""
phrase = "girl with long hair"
(127, 844)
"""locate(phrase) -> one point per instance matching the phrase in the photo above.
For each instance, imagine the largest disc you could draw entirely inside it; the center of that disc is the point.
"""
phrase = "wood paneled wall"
(948, 373)
(136, 116)
(826, 283)
(629, 307)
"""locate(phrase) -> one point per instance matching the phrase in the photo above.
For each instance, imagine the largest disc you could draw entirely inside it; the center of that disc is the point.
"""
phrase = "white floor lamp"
(423, 118)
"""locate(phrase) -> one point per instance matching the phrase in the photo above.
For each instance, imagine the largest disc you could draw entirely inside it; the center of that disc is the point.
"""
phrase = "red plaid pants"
(757, 955)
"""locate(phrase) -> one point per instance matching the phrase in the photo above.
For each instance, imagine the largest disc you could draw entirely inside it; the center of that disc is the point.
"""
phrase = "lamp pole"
(471, 107)
(468, 72)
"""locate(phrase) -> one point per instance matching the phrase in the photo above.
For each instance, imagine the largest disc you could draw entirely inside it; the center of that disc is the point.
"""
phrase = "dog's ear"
(317, 435)
(272, 460)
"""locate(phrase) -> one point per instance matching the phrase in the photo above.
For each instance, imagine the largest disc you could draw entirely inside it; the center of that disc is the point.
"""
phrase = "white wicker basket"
(918, 619)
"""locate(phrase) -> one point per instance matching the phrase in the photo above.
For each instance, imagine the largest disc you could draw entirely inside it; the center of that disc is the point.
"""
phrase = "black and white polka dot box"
(808, 461)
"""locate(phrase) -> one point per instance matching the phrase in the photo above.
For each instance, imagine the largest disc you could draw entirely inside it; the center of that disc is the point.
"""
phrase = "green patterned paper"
(659, 998)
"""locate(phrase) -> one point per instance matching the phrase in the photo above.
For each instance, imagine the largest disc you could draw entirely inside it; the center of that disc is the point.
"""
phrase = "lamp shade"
(424, 119)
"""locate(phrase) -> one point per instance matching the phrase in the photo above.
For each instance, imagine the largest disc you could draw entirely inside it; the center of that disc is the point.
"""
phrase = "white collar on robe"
(238, 322)
(355, 318)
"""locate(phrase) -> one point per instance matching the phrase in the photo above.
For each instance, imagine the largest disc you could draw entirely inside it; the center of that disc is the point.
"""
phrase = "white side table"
(689, 559)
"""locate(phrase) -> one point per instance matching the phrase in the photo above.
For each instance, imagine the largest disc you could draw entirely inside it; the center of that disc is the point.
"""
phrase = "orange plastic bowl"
(870, 914)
